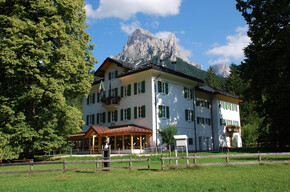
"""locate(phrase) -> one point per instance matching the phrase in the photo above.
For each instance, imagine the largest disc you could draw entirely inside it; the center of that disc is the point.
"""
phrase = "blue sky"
(208, 31)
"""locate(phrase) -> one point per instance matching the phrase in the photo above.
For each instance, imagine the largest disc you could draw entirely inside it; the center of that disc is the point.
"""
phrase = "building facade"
(144, 99)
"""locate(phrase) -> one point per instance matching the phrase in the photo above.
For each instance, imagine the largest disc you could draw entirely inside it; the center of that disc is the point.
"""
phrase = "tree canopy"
(211, 78)
(45, 61)
(266, 67)
(167, 134)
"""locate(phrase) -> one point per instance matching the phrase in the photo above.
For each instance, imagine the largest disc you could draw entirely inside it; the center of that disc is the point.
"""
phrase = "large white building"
(138, 101)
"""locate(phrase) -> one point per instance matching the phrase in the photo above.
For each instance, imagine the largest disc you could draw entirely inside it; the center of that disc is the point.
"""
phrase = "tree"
(167, 134)
(45, 62)
(266, 66)
(211, 78)
(234, 83)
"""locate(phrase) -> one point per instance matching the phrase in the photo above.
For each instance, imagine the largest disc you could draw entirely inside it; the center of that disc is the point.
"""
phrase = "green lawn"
(215, 178)
(274, 177)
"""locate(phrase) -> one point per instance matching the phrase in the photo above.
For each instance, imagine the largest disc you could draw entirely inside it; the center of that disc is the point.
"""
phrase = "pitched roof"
(211, 90)
(159, 68)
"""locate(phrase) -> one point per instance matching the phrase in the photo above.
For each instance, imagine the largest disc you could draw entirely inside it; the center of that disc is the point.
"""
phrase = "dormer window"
(113, 75)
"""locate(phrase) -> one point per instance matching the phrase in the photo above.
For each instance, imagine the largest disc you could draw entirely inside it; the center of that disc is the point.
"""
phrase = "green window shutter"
(166, 88)
(186, 115)
(87, 120)
(98, 118)
(197, 120)
(167, 112)
(191, 94)
(110, 91)
(122, 91)
(202, 120)
(94, 97)
(192, 115)
(93, 119)
(129, 90)
(98, 97)
(116, 73)
(116, 115)
(88, 100)
(160, 110)
(143, 111)
(110, 74)
(116, 92)
(104, 117)
(109, 116)
(185, 92)
(121, 114)
(135, 112)
(143, 87)
(159, 86)
(129, 113)
(135, 88)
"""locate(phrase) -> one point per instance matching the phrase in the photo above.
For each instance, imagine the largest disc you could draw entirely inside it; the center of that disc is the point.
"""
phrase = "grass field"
(274, 177)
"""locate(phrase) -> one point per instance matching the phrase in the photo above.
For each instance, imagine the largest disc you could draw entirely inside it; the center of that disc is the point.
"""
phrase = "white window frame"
(187, 93)
(101, 118)
(163, 111)
(162, 87)
(139, 112)
(90, 119)
(139, 87)
(113, 117)
(125, 114)
(189, 115)
(126, 88)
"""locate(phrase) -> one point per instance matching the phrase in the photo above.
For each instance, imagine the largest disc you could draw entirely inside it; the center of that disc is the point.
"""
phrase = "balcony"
(233, 128)
(111, 103)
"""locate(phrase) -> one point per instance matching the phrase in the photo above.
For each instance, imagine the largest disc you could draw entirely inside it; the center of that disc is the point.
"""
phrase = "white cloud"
(234, 46)
(126, 9)
(130, 28)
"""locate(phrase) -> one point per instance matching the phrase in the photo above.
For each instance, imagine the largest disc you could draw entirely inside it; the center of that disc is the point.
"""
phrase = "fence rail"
(64, 163)
(227, 158)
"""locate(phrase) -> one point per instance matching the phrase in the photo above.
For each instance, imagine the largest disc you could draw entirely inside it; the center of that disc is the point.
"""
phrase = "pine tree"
(45, 61)
(266, 66)
(211, 78)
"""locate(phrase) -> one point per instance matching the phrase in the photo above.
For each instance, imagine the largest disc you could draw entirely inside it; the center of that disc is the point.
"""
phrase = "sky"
(208, 31)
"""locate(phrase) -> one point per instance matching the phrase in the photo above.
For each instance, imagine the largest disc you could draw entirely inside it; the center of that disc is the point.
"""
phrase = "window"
(207, 121)
(162, 87)
(188, 93)
(139, 87)
(125, 114)
(112, 116)
(139, 112)
(91, 119)
(222, 122)
(207, 143)
(163, 111)
(188, 115)
(101, 118)
(91, 98)
(200, 143)
(113, 75)
(127, 90)
(190, 141)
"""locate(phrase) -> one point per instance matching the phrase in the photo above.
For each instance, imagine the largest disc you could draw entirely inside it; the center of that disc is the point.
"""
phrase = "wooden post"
(94, 144)
(64, 166)
(130, 164)
(161, 149)
(123, 142)
(115, 143)
(140, 137)
(162, 162)
(176, 161)
(227, 158)
(31, 167)
(194, 160)
(83, 145)
(228, 150)
(149, 164)
(259, 156)
(97, 164)
(182, 149)
(132, 145)
(70, 152)
(99, 144)
(78, 145)
(90, 145)
(170, 161)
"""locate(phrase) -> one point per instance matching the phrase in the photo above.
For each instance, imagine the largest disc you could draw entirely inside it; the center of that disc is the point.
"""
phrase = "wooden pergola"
(129, 137)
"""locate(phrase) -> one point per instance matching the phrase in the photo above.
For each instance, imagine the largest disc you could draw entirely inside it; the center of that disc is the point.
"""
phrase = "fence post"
(70, 152)
(31, 167)
(227, 158)
(149, 164)
(162, 162)
(97, 164)
(130, 164)
(176, 161)
(64, 166)
(170, 161)
(259, 156)
(194, 159)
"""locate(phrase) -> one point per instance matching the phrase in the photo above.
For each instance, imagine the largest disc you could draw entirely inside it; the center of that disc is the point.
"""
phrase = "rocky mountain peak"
(143, 46)
(222, 69)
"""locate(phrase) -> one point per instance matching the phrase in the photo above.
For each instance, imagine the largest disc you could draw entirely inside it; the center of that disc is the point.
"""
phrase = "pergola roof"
(106, 131)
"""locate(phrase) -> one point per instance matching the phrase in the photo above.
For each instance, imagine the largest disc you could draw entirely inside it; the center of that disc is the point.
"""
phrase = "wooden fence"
(227, 158)
(64, 163)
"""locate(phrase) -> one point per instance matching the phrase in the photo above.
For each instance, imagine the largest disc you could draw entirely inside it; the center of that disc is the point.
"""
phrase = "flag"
(101, 88)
